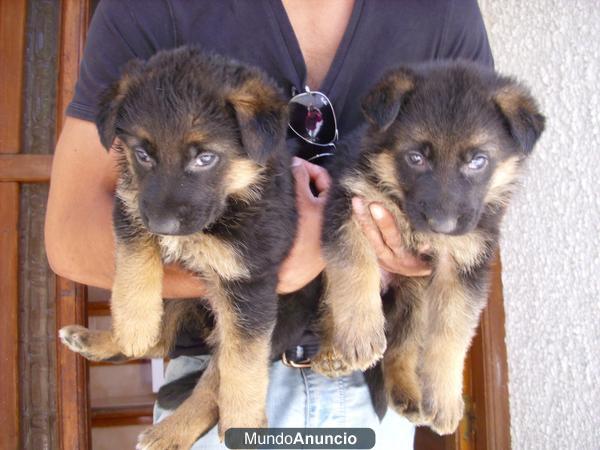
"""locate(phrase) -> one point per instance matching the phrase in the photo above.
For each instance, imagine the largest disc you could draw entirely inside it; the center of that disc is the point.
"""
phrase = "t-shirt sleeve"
(119, 31)
(465, 36)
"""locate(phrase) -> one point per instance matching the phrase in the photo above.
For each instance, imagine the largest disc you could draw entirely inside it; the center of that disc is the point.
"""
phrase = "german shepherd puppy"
(205, 181)
(443, 151)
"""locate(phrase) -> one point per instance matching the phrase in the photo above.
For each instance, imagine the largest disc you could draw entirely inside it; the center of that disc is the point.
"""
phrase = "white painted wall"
(550, 246)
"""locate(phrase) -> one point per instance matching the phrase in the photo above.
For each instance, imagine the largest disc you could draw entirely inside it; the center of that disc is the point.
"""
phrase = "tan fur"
(450, 326)
(400, 373)
(384, 166)
(136, 301)
(242, 177)
(243, 369)
(349, 344)
(100, 345)
(503, 181)
(513, 97)
(204, 253)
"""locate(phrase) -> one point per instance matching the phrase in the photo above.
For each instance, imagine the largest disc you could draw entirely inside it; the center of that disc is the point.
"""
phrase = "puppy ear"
(524, 120)
(261, 113)
(112, 99)
(382, 104)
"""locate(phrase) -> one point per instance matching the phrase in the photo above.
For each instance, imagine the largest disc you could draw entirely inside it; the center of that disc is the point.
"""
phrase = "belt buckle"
(304, 364)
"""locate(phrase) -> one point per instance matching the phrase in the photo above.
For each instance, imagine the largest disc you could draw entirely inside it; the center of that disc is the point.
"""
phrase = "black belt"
(300, 356)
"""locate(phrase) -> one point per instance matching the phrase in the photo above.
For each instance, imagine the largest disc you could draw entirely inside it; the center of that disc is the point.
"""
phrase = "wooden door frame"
(71, 298)
(12, 50)
(487, 422)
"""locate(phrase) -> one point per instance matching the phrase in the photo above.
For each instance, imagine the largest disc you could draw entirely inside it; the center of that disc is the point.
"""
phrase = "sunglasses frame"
(335, 136)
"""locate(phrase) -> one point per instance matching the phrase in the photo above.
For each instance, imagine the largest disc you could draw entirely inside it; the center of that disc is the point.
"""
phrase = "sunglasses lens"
(311, 116)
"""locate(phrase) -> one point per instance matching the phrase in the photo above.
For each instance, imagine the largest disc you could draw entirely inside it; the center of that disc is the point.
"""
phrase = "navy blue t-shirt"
(381, 34)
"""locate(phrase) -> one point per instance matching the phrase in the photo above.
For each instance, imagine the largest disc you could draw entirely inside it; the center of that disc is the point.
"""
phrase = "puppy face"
(195, 130)
(455, 136)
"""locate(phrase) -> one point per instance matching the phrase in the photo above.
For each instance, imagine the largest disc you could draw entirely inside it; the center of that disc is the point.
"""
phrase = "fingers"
(380, 228)
(305, 173)
(387, 226)
(371, 231)
(319, 176)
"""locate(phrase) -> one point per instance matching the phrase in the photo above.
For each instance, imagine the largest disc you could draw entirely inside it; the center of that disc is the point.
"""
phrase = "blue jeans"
(303, 398)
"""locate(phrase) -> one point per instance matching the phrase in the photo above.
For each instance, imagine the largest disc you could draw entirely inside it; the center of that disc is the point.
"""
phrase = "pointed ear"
(112, 99)
(382, 104)
(524, 120)
(261, 113)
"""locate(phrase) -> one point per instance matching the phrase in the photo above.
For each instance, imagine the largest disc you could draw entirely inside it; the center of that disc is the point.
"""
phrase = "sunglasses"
(312, 119)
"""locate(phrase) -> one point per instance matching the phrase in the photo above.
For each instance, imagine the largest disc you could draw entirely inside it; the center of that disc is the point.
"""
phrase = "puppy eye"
(205, 159)
(478, 162)
(415, 158)
(142, 156)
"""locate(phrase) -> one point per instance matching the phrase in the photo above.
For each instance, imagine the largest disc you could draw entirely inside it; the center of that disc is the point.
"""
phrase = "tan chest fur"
(204, 253)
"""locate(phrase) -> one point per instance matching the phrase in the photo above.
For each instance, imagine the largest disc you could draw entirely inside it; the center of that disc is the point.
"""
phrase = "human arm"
(305, 261)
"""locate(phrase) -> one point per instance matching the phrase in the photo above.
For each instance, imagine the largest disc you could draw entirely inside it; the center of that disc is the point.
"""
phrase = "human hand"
(380, 228)
(305, 262)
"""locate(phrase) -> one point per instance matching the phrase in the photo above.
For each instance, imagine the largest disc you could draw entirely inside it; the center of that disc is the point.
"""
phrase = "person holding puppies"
(339, 49)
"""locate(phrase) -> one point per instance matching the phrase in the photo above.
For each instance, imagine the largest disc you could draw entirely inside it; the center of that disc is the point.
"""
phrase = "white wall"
(551, 235)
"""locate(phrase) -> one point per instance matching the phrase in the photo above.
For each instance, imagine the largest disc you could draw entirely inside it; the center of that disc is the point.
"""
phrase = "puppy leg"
(353, 325)
(245, 324)
(452, 318)
(402, 356)
(100, 345)
(193, 418)
(402, 382)
(136, 302)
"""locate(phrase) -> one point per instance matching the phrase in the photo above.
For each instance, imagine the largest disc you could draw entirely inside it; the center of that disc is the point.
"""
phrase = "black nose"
(444, 225)
(163, 225)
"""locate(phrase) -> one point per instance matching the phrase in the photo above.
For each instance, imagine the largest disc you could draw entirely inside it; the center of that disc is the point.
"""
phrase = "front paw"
(95, 345)
(163, 436)
(357, 351)
(407, 404)
(136, 339)
(227, 421)
(443, 410)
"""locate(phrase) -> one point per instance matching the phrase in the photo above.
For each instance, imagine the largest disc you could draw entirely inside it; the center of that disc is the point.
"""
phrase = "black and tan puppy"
(443, 152)
(205, 181)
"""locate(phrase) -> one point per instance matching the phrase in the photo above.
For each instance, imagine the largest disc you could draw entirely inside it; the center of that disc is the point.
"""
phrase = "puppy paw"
(95, 345)
(329, 363)
(407, 404)
(162, 437)
(358, 351)
(136, 339)
(237, 421)
(443, 411)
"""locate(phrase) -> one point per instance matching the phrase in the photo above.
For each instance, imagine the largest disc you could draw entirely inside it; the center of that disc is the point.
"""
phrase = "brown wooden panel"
(9, 303)
(72, 392)
(490, 372)
(99, 308)
(12, 44)
(75, 17)
(73, 402)
(120, 411)
(25, 168)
